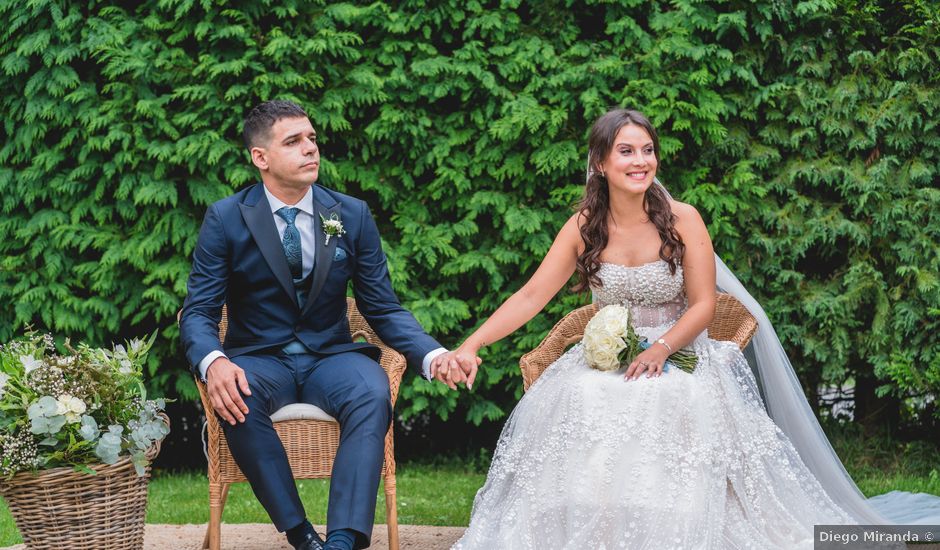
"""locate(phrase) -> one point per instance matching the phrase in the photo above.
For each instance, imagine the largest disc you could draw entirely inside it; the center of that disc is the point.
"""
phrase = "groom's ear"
(259, 158)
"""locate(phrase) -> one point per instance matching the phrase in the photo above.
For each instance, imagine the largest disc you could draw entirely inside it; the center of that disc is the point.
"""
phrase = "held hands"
(650, 361)
(224, 379)
(456, 367)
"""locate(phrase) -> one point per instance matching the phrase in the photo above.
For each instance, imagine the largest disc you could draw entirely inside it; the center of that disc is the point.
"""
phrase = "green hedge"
(806, 133)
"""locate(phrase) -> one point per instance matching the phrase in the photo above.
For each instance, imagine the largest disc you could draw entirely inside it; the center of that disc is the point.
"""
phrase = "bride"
(647, 457)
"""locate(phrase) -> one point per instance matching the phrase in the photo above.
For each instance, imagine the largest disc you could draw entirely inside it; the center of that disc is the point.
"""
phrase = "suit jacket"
(239, 261)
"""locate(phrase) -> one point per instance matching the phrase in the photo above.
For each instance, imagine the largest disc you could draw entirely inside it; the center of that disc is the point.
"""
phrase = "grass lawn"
(442, 494)
(427, 495)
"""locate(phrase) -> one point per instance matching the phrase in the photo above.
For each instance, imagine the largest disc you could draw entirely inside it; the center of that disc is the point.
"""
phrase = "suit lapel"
(323, 255)
(257, 215)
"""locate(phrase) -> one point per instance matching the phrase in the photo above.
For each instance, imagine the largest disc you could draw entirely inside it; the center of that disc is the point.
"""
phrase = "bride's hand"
(469, 361)
(650, 361)
(448, 369)
(456, 367)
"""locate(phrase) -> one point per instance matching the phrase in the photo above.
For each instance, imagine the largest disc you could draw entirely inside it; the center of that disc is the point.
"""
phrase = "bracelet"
(663, 342)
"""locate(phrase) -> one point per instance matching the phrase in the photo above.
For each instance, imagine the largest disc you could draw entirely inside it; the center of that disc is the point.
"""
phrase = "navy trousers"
(351, 388)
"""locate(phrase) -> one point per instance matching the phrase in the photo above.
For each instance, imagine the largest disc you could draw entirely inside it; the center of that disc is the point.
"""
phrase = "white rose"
(591, 346)
(611, 318)
(603, 337)
(620, 344)
(615, 325)
(610, 343)
(70, 406)
(605, 360)
(589, 340)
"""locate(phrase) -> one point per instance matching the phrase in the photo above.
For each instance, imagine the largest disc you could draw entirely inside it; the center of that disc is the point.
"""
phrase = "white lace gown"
(680, 461)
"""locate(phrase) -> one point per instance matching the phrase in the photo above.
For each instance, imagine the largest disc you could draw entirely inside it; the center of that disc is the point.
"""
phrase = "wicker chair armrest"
(393, 362)
(567, 331)
(203, 395)
(732, 321)
(213, 429)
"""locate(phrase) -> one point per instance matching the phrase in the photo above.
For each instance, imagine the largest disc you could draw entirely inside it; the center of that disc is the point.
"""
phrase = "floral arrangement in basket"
(610, 342)
(76, 407)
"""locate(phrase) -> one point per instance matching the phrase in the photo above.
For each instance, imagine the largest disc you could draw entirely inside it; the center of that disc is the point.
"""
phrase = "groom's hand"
(223, 380)
(444, 367)
(454, 368)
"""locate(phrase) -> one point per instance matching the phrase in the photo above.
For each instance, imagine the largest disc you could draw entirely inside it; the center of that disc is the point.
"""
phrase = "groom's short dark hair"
(257, 126)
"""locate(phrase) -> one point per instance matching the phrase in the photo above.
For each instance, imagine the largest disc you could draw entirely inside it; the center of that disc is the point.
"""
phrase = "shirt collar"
(305, 204)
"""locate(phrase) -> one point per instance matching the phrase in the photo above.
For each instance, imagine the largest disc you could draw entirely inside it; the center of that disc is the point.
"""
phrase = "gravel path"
(258, 536)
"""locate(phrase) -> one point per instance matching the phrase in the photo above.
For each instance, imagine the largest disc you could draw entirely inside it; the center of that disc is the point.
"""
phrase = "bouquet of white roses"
(610, 342)
(78, 407)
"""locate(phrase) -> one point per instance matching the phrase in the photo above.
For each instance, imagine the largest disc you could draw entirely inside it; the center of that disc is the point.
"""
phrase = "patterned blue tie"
(291, 242)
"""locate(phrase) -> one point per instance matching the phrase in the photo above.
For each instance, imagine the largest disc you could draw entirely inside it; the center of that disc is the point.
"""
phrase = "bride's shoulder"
(570, 232)
(572, 225)
(687, 217)
(684, 211)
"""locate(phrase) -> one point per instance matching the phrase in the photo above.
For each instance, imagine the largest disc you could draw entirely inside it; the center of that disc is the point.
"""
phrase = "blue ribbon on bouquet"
(645, 345)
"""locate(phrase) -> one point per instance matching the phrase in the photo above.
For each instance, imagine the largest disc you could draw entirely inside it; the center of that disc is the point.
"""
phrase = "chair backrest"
(732, 322)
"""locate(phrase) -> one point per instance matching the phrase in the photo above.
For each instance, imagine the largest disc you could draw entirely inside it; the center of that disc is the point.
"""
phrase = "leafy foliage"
(805, 132)
(84, 406)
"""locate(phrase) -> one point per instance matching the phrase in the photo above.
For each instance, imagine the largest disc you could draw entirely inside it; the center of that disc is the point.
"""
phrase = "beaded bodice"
(654, 295)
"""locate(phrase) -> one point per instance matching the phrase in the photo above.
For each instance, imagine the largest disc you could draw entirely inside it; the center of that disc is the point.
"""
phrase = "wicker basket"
(61, 508)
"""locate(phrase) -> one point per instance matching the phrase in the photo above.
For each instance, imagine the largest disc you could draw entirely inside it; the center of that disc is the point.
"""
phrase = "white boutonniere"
(331, 226)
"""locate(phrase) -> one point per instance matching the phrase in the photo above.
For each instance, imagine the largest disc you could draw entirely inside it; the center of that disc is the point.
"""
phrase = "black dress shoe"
(312, 542)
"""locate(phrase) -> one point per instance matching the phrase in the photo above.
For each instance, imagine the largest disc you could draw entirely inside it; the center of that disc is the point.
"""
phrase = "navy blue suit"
(239, 261)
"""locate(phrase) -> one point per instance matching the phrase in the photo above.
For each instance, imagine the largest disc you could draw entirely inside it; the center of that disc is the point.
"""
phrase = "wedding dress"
(684, 461)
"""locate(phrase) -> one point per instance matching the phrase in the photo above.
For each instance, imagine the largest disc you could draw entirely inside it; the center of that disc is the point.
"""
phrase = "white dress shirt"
(306, 226)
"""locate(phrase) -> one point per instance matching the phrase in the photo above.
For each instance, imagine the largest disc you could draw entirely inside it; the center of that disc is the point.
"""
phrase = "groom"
(279, 254)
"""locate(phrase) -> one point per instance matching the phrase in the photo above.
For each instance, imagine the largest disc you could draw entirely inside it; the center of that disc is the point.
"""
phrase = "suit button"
(298, 328)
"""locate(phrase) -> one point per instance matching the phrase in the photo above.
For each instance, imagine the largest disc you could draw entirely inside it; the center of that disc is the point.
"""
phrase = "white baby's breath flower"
(30, 363)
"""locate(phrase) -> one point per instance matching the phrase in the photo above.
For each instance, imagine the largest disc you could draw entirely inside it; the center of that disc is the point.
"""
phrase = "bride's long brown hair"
(595, 206)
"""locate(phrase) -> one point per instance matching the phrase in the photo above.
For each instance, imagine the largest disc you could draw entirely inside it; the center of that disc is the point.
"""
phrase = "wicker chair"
(311, 441)
(731, 322)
